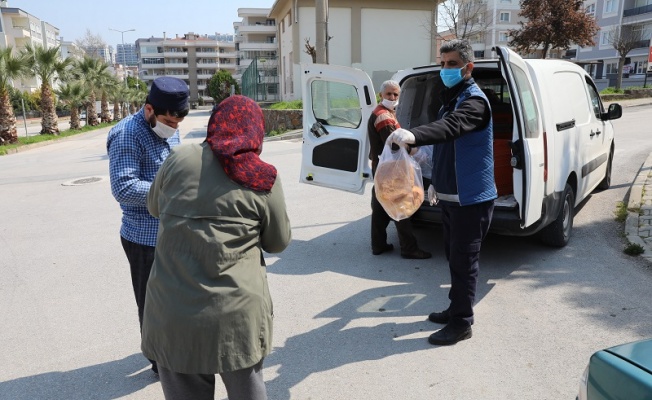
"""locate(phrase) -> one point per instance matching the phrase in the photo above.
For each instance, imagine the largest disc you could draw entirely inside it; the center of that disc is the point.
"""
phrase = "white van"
(553, 139)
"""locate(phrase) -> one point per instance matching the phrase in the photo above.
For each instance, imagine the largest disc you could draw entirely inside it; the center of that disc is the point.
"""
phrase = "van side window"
(595, 99)
(528, 103)
(336, 104)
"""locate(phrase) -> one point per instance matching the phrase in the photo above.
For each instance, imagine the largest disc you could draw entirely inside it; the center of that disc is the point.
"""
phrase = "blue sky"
(148, 17)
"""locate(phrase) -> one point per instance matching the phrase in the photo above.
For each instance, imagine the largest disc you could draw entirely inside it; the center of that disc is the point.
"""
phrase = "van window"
(595, 98)
(336, 104)
(528, 103)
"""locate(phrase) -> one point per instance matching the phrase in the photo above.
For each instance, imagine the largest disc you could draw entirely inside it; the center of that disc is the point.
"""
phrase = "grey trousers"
(243, 384)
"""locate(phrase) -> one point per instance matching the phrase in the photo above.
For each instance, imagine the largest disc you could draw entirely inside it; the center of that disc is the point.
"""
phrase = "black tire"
(558, 233)
(606, 182)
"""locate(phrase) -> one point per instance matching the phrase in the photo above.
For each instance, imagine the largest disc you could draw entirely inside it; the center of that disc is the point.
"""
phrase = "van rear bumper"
(505, 220)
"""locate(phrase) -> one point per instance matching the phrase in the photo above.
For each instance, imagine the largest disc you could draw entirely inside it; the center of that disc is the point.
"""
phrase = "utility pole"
(124, 56)
(321, 41)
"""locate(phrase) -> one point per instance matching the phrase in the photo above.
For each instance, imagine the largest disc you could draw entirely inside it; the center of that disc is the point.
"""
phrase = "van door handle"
(597, 132)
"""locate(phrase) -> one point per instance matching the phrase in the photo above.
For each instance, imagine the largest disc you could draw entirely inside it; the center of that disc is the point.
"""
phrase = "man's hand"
(402, 137)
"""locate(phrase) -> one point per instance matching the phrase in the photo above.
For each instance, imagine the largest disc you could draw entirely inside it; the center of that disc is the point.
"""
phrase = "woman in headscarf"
(208, 309)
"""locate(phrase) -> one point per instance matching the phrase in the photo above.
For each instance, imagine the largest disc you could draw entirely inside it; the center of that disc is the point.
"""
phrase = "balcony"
(176, 65)
(208, 54)
(175, 54)
(637, 11)
(21, 32)
(257, 29)
(258, 46)
(228, 54)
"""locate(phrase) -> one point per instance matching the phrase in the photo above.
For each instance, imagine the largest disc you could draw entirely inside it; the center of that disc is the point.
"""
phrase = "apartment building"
(257, 62)
(19, 28)
(624, 16)
(379, 37)
(191, 57)
(126, 54)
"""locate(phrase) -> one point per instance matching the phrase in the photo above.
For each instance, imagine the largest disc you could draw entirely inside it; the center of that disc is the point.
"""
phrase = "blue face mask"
(451, 76)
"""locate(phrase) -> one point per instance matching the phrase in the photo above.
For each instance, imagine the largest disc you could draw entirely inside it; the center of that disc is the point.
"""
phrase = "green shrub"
(634, 249)
(621, 211)
(612, 90)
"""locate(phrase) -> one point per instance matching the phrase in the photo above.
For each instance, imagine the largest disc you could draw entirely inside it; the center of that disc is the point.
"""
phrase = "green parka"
(208, 309)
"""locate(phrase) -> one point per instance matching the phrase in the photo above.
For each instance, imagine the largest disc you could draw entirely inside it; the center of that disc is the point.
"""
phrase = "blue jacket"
(463, 162)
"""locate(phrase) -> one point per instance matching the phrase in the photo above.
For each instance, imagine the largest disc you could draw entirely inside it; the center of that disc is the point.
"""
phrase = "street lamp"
(124, 55)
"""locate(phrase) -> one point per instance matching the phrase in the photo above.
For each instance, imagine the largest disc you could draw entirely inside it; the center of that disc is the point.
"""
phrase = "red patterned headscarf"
(235, 133)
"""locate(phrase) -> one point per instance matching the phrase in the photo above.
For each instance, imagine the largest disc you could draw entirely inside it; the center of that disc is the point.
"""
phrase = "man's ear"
(469, 69)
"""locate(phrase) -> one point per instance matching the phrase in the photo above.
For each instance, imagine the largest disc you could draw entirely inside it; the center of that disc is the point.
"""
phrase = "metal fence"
(260, 80)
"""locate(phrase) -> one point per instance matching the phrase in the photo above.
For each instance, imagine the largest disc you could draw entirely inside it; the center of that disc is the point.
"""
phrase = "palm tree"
(11, 67)
(74, 94)
(91, 71)
(46, 65)
(118, 95)
(107, 84)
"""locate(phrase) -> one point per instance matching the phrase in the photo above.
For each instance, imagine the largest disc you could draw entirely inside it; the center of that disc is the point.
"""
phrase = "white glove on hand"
(432, 196)
(402, 137)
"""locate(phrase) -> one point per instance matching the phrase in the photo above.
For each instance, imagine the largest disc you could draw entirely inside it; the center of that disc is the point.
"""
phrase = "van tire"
(606, 182)
(558, 233)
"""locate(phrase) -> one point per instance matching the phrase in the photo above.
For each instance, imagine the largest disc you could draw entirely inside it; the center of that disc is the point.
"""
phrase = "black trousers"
(379, 222)
(464, 230)
(140, 258)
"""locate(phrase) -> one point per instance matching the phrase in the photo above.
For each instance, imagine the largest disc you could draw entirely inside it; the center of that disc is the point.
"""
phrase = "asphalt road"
(348, 325)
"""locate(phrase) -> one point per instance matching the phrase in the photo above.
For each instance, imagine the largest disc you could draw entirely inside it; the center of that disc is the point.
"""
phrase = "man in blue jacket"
(462, 182)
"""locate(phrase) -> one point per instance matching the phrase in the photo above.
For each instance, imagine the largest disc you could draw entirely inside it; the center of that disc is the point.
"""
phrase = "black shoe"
(439, 317)
(154, 367)
(385, 248)
(450, 334)
(417, 255)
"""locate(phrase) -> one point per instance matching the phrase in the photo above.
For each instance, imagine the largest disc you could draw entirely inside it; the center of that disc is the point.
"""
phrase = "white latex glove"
(402, 137)
(432, 196)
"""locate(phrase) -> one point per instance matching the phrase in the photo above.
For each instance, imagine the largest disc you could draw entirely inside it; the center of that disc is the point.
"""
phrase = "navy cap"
(168, 93)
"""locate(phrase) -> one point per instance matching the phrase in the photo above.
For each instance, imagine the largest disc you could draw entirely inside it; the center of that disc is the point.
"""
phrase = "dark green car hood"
(639, 353)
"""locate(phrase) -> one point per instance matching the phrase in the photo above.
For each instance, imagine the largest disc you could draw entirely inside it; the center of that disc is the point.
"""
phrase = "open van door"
(337, 103)
(528, 152)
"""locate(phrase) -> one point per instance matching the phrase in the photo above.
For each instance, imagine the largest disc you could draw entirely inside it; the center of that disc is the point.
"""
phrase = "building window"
(612, 68)
(504, 17)
(590, 9)
(604, 39)
(503, 37)
(478, 54)
(641, 67)
(290, 18)
(610, 6)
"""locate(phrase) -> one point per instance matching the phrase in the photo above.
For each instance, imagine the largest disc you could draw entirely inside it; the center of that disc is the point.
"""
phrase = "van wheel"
(606, 182)
(558, 233)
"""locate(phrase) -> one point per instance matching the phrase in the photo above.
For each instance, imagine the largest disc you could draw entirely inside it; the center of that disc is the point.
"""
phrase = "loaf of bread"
(396, 189)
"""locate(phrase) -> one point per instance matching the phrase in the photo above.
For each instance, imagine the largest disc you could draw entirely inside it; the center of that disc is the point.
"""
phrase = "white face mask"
(163, 131)
(390, 104)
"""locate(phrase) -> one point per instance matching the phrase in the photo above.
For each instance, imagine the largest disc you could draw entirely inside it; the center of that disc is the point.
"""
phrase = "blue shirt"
(135, 155)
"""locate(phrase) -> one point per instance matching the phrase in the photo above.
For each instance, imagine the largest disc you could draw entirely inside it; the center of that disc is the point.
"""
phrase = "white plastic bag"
(398, 184)
(424, 157)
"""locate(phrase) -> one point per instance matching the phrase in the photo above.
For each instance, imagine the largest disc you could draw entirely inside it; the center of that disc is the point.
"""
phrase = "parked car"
(619, 372)
(553, 139)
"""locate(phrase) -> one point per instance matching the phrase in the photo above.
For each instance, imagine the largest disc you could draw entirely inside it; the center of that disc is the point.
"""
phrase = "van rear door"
(529, 148)
(337, 103)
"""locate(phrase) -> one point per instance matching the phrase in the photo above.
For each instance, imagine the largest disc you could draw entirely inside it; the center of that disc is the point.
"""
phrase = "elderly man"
(381, 124)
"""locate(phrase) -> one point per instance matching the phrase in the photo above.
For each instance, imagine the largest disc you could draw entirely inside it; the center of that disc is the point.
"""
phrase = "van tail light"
(545, 156)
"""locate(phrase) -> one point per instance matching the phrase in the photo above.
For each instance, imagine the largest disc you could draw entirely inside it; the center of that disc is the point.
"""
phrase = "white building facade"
(379, 37)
